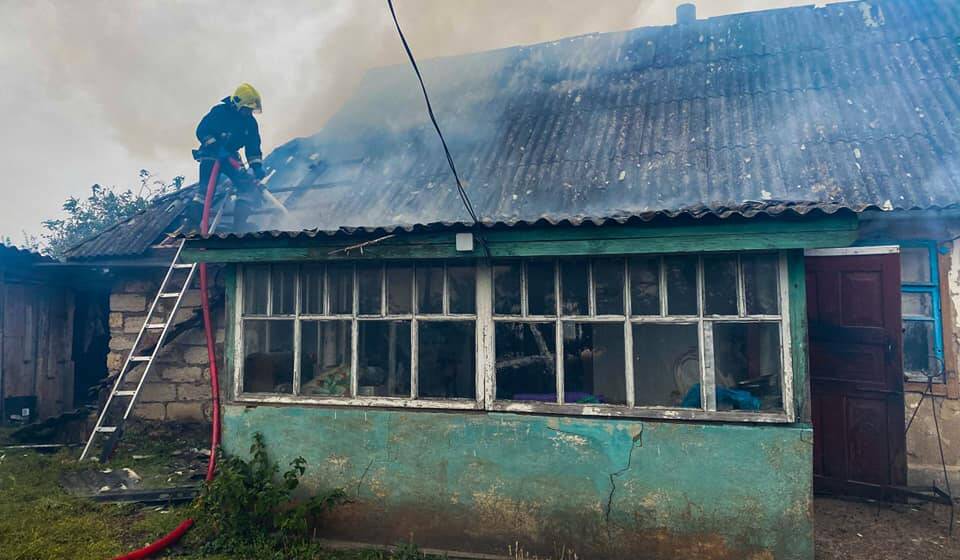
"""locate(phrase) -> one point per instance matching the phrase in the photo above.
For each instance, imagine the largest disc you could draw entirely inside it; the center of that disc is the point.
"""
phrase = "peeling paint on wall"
(600, 487)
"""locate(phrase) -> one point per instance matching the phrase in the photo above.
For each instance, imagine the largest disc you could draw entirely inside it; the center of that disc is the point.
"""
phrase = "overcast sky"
(93, 91)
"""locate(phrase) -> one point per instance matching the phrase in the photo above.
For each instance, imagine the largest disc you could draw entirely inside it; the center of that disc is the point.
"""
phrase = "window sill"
(370, 402)
(589, 410)
(939, 389)
(608, 411)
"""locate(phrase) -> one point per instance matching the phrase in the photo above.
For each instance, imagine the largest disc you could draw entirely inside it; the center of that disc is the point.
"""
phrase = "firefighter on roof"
(228, 127)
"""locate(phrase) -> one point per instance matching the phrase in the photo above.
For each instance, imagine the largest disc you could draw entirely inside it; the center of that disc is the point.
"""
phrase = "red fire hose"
(208, 325)
(182, 528)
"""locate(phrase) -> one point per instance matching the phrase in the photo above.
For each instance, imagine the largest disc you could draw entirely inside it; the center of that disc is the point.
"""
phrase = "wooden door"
(853, 306)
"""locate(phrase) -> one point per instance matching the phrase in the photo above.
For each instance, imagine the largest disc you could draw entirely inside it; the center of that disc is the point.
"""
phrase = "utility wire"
(436, 126)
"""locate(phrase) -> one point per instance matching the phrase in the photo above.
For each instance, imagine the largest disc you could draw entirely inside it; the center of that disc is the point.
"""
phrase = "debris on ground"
(859, 530)
(85, 483)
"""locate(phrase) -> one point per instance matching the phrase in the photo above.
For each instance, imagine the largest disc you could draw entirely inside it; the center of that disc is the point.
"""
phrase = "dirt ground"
(849, 530)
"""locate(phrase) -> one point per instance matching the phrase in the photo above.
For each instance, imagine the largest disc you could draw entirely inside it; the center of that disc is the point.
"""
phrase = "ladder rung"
(177, 293)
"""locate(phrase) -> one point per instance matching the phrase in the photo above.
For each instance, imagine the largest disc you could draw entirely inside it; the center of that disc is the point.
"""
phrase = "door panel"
(861, 299)
(865, 418)
(856, 373)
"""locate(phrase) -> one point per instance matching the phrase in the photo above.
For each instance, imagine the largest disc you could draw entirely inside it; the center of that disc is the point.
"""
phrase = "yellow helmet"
(247, 96)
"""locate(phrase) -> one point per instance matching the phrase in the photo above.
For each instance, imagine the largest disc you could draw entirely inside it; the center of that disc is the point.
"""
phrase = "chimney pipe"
(686, 13)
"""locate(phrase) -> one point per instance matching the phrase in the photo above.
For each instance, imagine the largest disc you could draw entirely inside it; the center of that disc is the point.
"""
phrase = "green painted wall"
(603, 488)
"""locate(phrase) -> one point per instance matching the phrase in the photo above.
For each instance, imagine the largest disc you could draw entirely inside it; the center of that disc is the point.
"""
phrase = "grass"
(40, 521)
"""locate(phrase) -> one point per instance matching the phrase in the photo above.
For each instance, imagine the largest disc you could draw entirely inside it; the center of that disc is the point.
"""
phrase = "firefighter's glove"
(258, 171)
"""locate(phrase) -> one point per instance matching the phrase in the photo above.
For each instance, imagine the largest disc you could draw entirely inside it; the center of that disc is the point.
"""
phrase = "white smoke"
(105, 87)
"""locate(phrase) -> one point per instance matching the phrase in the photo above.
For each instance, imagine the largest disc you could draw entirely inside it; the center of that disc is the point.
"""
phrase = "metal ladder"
(170, 290)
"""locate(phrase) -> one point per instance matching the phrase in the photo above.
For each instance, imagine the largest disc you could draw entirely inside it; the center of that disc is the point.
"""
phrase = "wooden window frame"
(355, 318)
(951, 388)
(933, 289)
(705, 332)
(484, 320)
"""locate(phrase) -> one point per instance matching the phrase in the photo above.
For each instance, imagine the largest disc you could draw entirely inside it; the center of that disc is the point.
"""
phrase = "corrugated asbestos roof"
(853, 105)
(135, 235)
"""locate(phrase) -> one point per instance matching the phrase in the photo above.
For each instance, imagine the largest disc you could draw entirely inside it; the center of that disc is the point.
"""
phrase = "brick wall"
(178, 385)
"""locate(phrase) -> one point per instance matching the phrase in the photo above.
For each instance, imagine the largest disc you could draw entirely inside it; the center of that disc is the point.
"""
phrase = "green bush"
(250, 504)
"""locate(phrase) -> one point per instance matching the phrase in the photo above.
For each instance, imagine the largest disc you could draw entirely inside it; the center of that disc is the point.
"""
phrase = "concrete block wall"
(178, 385)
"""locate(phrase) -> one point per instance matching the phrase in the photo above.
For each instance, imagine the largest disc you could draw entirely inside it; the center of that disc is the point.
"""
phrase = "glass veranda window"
(697, 334)
(675, 332)
(359, 331)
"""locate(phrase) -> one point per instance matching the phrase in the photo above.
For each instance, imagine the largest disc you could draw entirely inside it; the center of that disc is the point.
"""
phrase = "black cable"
(928, 391)
(436, 126)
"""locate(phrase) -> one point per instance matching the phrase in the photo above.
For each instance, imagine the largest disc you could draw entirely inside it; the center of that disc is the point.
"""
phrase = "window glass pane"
(608, 283)
(268, 356)
(915, 265)
(506, 288)
(283, 282)
(918, 349)
(919, 304)
(760, 284)
(446, 360)
(681, 285)
(325, 358)
(369, 288)
(255, 284)
(399, 289)
(574, 277)
(383, 363)
(666, 365)
(311, 290)
(541, 288)
(462, 288)
(645, 285)
(747, 362)
(430, 288)
(526, 361)
(593, 363)
(340, 283)
(720, 285)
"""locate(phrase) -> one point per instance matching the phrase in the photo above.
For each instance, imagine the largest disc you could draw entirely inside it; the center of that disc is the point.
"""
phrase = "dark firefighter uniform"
(226, 129)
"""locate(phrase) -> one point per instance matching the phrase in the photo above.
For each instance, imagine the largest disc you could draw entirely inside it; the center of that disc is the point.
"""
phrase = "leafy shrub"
(86, 217)
(250, 504)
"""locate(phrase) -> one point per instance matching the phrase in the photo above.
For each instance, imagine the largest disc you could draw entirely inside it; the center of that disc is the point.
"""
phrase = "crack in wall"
(363, 476)
(637, 442)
